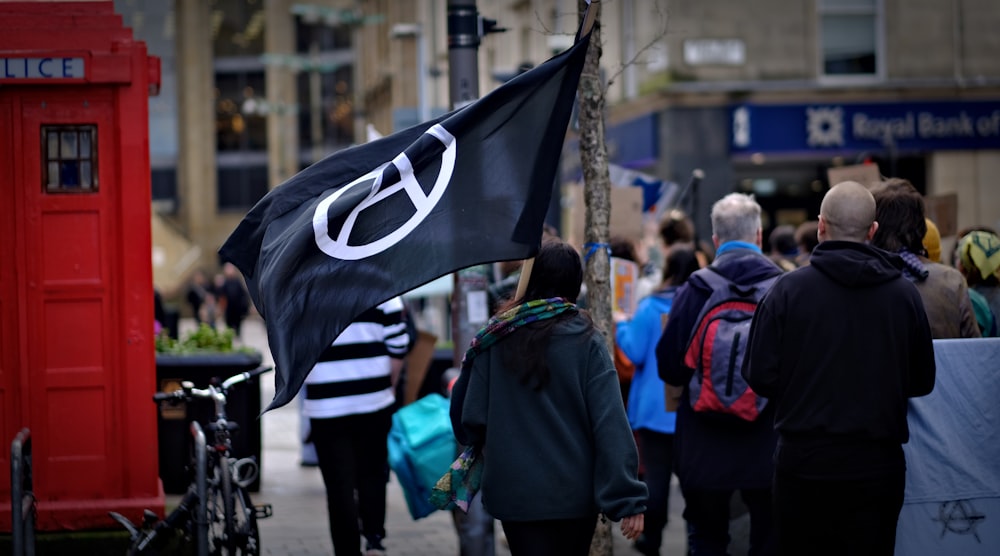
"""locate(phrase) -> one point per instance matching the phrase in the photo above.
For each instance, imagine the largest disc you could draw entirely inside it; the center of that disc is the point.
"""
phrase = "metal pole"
(463, 52)
(22, 495)
(201, 487)
(469, 292)
(475, 529)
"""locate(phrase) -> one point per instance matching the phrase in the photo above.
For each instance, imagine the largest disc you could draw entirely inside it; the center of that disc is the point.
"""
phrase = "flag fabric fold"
(368, 223)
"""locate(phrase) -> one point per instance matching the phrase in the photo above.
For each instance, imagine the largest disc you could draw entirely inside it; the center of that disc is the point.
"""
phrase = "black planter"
(173, 420)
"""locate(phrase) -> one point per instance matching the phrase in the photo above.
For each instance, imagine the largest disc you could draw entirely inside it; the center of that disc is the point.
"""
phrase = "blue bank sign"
(859, 127)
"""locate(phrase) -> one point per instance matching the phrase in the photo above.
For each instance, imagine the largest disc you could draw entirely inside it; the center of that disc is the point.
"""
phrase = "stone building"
(764, 96)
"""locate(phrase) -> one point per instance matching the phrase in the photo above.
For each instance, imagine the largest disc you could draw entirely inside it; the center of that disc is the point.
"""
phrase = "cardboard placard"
(943, 211)
(867, 175)
(624, 283)
(625, 219)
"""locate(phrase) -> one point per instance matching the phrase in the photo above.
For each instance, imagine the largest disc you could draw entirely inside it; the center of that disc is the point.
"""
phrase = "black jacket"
(838, 347)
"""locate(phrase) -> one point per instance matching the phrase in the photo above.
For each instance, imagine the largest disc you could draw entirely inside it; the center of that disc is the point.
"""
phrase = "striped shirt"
(353, 375)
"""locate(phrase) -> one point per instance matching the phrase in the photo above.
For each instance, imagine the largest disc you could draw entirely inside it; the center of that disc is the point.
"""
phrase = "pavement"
(297, 496)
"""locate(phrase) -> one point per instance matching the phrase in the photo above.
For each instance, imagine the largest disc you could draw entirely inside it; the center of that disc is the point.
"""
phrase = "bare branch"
(663, 16)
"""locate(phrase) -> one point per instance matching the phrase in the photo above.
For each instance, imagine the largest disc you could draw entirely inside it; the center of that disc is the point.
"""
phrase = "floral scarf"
(500, 326)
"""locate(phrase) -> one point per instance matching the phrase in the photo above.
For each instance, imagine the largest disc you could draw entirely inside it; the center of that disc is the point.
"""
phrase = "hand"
(632, 526)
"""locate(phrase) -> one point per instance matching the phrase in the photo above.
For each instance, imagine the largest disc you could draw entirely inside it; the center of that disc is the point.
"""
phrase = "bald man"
(838, 346)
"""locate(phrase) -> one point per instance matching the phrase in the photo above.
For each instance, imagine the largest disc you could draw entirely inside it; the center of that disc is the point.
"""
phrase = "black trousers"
(565, 537)
(352, 456)
(707, 515)
(657, 453)
(855, 517)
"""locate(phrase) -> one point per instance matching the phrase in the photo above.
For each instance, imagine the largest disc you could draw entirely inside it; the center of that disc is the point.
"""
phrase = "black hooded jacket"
(838, 346)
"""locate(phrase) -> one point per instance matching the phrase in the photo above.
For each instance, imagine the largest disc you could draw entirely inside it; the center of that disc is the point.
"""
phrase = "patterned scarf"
(914, 268)
(500, 326)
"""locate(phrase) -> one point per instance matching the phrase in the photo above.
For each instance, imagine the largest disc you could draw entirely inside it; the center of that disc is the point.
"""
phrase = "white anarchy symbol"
(339, 248)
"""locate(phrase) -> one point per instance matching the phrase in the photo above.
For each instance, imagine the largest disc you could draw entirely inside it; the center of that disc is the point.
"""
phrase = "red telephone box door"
(69, 230)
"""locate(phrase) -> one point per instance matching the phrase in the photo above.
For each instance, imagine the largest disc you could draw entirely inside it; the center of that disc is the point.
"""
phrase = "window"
(850, 34)
(69, 158)
(241, 186)
(325, 86)
(163, 182)
(240, 111)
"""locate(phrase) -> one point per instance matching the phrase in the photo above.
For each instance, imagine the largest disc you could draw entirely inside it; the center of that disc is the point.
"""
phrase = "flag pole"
(589, 17)
(522, 280)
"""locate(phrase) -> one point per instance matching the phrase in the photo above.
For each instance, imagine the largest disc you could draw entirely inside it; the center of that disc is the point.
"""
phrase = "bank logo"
(741, 127)
(825, 126)
(338, 246)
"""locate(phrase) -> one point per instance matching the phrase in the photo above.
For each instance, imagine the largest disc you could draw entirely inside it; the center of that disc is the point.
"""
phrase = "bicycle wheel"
(220, 510)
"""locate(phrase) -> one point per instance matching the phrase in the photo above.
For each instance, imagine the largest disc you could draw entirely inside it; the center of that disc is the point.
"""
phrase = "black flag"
(368, 223)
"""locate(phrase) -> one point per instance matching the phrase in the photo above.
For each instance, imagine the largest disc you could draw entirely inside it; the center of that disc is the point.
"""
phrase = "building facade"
(253, 91)
(764, 97)
(767, 98)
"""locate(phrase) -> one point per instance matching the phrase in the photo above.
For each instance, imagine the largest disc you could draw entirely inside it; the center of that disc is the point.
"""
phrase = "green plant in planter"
(204, 339)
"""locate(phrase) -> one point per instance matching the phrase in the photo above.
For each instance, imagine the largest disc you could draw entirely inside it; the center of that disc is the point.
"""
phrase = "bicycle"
(216, 511)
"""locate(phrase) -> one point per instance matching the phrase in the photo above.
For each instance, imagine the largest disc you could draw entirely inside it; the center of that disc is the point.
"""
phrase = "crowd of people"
(799, 406)
(836, 347)
(221, 301)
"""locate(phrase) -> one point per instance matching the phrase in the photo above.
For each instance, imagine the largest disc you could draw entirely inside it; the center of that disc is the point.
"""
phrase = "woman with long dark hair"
(538, 394)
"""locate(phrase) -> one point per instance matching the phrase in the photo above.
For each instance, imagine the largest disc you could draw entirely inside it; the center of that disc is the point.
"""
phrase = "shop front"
(783, 153)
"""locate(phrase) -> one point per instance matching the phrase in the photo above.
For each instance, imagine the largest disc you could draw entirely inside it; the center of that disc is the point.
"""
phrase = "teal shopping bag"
(421, 445)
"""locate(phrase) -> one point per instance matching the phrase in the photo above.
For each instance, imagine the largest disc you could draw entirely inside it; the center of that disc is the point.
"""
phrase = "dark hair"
(676, 227)
(681, 261)
(557, 271)
(899, 211)
(622, 248)
(805, 235)
(782, 240)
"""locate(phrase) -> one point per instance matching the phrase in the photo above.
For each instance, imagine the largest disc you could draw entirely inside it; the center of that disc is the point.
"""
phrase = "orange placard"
(624, 281)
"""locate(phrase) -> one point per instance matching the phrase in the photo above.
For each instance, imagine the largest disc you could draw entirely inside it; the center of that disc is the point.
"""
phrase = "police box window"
(850, 38)
(69, 158)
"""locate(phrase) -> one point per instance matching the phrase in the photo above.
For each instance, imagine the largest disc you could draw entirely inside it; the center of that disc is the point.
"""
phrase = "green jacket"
(563, 452)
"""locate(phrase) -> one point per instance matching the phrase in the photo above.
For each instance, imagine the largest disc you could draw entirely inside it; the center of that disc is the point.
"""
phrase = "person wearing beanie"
(932, 241)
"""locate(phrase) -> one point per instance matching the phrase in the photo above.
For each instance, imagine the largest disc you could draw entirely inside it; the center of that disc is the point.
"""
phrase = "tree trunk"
(597, 196)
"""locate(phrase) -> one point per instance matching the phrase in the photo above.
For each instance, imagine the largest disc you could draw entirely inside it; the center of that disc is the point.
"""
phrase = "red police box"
(77, 362)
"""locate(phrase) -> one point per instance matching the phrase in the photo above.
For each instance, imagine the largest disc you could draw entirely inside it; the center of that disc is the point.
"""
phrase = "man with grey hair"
(715, 455)
(837, 347)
